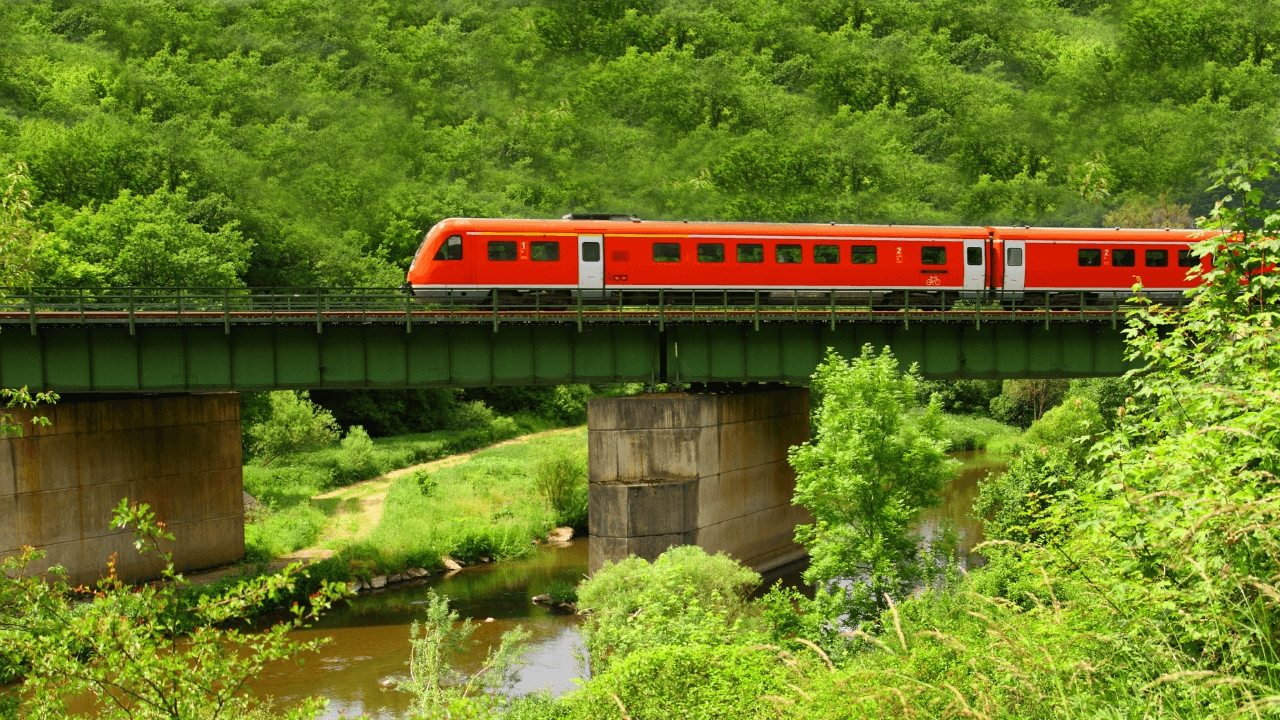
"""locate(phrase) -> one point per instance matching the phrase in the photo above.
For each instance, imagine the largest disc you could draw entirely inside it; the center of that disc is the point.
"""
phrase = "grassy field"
(974, 432)
(421, 507)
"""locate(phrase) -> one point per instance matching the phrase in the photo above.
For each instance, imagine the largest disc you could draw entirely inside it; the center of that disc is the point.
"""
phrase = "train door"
(975, 264)
(1015, 268)
(591, 265)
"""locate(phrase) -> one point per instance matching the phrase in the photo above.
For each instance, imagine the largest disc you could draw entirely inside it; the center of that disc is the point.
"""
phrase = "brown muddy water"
(370, 634)
(958, 500)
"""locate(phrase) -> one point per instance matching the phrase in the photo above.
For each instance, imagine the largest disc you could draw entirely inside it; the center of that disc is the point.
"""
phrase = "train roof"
(626, 225)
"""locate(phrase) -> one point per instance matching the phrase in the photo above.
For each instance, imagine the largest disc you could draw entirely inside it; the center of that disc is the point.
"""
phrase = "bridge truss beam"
(197, 358)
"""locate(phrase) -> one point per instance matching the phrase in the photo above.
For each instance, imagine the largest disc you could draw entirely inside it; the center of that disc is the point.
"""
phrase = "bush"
(356, 458)
(561, 478)
(972, 432)
(1072, 426)
(293, 424)
(472, 416)
(426, 484)
(686, 683)
(1107, 393)
(684, 597)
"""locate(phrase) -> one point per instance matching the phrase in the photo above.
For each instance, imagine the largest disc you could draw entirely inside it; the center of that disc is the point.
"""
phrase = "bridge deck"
(148, 340)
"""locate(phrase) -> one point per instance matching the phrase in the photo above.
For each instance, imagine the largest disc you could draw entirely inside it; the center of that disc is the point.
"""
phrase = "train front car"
(1096, 264)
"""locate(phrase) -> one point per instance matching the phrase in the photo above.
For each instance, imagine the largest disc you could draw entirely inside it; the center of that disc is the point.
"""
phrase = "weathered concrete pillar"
(180, 455)
(706, 470)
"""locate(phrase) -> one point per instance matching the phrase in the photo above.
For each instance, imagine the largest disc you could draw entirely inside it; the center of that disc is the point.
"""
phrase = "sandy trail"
(357, 509)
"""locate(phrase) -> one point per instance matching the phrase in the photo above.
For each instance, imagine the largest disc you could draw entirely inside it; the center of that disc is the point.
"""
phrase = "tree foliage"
(143, 653)
(866, 476)
(294, 423)
(330, 136)
(20, 238)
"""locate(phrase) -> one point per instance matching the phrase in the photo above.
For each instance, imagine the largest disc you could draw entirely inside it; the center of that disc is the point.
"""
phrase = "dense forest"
(301, 142)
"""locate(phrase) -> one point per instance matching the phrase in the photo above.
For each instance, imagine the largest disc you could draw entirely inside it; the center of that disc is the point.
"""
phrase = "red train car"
(590, 255)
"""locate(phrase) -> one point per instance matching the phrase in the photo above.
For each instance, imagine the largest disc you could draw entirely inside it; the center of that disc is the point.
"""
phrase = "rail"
(321, 306)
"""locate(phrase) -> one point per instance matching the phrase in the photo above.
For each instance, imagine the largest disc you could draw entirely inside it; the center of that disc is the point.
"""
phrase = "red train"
(594, 255)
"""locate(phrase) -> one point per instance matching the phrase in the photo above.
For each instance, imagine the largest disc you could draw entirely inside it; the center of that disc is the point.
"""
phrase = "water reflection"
(371, 632)
(371, 636)
(957, 502)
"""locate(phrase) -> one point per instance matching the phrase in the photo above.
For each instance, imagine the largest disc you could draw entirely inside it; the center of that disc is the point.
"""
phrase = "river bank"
(370, 632)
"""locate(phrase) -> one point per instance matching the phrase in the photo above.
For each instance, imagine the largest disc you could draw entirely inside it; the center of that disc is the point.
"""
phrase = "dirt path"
(355, 510)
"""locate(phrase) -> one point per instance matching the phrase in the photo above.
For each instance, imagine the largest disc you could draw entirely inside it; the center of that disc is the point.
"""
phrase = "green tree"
(866, 476)
(20, 239)
(144, 653)
(294, 423)
(149, 240)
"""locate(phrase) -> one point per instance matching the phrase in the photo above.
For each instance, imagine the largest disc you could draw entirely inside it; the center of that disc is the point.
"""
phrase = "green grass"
(488, 507)
(289, 520)
(974, 432)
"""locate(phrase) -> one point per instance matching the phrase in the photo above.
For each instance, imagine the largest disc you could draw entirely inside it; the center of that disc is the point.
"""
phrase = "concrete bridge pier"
(696, 469)
(178, 454)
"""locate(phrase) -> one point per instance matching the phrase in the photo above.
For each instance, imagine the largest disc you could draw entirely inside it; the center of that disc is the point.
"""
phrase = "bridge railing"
(322, 305)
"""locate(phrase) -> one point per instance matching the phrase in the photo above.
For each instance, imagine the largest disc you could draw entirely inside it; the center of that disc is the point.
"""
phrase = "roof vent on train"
(601, 216)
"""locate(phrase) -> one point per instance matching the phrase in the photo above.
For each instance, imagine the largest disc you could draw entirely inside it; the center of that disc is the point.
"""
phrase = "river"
(370, 634)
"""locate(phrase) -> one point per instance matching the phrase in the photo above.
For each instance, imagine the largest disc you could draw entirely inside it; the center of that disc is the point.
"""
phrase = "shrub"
(1014, 505)
(561, 478)
(426, 484)
(971, 432)
(503, 428)
(473, 415)
(687, 682)
(1072, 426)
(293, 424)
(684, 597)
(567, 404)
(356, 459)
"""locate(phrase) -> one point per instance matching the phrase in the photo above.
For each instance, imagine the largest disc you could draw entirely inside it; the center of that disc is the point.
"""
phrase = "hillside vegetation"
(314, 141)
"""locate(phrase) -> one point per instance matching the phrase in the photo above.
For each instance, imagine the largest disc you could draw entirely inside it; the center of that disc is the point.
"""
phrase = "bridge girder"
(197, 358)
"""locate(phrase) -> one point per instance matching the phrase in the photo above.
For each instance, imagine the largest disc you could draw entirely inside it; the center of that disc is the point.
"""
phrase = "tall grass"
(486, 507)
(974, 432)
(561, 478)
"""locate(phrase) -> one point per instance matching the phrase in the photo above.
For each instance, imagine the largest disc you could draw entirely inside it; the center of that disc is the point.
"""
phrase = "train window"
(863, 254)
(710, 252)
(1089, 257)
(450, 249)
(933, 255)
(1156, 258)
(548, 251)
(826, 254)
(502, 250)
(1187, 259)
(750, 253)
(788, 254)
(973, 255)
(1013, 257)
(666, 252)
(1122, 257)
(591, 252)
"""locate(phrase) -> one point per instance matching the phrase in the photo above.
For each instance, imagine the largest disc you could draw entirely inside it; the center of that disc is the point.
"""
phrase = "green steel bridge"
(200, 339)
